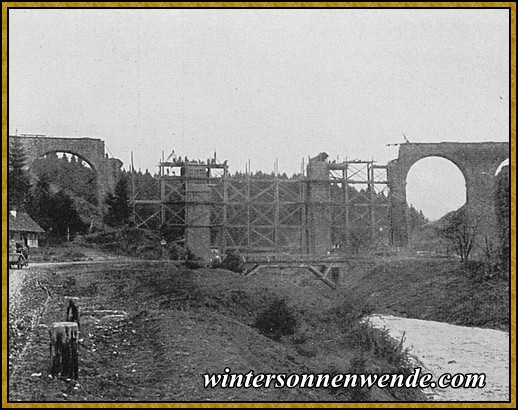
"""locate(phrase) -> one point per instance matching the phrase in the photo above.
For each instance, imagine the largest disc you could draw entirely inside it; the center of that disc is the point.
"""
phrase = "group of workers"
(23, 250)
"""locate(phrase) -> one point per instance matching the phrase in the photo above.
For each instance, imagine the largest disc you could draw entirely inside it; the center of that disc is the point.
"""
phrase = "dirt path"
(24, 313)
(445, 348)
(15, 281)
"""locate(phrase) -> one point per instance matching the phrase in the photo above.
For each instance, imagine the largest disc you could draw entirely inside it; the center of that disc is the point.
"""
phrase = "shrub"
(177, 252)
(303, 342)
(359, 366)
(74, 255)
(192, 261)
(70, 285)
(276, 321)
(232, 262)
(100, 238)
(350, 311)
(380, 344)
(389, 356)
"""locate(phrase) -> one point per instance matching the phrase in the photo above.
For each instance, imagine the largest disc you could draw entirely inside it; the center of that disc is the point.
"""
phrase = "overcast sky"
(261, 84)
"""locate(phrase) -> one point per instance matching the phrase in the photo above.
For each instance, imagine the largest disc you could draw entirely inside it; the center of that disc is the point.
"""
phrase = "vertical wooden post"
(277, 209)
(372, 223)
(248, 227)
(63, 349)
(162, 193)
(72, 314)
(336, 274)
(345, 177)
(133, 192)
(304, 204)
(225, 210)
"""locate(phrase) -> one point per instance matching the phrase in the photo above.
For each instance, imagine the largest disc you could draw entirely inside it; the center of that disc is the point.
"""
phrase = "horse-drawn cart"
(18, 260)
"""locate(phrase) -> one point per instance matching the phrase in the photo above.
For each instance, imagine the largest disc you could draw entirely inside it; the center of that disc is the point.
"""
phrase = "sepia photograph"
(233, 204)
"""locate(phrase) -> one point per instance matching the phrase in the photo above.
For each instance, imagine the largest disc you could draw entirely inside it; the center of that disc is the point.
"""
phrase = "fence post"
(63, 349)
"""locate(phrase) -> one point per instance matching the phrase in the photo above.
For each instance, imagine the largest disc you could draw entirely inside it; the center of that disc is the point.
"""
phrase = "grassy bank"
(443, 290)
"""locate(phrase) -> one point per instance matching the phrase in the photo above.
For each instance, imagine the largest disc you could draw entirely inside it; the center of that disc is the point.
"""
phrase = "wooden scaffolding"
(271, 216)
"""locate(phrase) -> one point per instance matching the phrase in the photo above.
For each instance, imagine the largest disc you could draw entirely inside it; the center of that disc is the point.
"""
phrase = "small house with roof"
(23, 229)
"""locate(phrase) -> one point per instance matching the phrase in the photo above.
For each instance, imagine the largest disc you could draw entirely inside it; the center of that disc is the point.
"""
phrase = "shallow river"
(444, 348)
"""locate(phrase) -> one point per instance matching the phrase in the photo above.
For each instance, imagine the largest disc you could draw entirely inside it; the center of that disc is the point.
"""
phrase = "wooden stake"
(72, 313)
(63, 349)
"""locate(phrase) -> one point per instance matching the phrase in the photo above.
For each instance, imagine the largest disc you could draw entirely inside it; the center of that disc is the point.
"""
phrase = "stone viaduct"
(478, 163)
(90, 150)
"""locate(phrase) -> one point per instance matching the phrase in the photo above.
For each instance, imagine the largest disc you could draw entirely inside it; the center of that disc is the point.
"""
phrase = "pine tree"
(503, 215)
(19, 181)
(40, 203)
(64, 218)
(55, 213)
(119, 210)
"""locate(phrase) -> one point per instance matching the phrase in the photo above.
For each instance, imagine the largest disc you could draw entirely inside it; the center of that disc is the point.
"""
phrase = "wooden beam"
(326, 270)
(319, 275)
(254, 270)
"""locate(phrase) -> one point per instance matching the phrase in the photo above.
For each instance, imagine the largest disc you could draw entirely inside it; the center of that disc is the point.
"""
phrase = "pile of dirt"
(149, 331)
(444, 290)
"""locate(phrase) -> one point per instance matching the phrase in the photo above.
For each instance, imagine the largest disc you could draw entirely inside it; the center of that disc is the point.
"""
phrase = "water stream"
(444, 348)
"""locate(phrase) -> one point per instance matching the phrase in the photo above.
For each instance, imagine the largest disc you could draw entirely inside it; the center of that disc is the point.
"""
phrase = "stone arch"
(435, 165)
(476, 161)
(92, 166)
(460, 165)
(88, 161)
(504, 163)
(90, 150)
